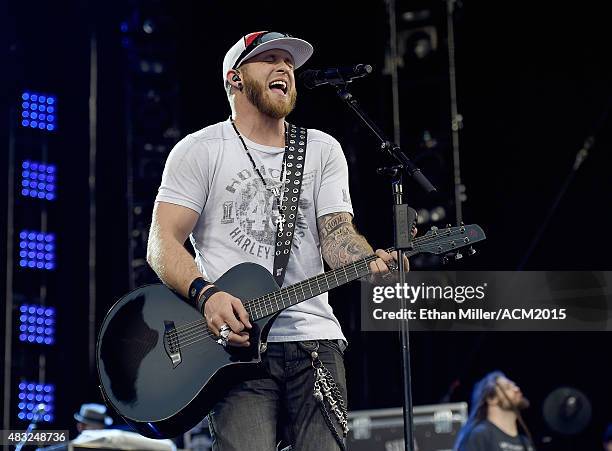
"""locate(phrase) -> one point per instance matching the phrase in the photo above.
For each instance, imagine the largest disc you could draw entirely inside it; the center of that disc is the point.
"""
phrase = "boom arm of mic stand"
(385, 144)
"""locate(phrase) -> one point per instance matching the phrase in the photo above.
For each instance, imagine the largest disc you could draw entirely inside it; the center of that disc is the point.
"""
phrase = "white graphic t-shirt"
(210, 172)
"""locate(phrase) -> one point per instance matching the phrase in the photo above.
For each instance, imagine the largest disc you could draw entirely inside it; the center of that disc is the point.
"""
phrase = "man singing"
(226, 187)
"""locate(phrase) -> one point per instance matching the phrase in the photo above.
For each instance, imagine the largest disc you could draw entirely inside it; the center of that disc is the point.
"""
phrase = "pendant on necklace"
(280, 221)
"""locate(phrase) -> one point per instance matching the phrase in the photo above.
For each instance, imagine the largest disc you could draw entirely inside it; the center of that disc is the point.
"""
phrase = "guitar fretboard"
(276, 301)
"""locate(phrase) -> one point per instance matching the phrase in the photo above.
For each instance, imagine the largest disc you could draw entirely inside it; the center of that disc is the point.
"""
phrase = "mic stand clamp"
(404, 217)
(390, 171)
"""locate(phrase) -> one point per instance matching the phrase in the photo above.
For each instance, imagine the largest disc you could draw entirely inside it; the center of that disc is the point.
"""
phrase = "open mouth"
(279, 86)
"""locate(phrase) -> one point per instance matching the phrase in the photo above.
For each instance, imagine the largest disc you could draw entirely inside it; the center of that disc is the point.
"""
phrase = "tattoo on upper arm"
(330, 224)
(340, 242)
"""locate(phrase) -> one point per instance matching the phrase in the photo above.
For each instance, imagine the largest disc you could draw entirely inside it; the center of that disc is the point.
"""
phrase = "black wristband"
(195, 289)
(205, 296)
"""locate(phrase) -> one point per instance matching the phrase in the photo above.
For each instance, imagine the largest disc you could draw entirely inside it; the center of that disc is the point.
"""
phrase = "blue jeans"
(257, 414)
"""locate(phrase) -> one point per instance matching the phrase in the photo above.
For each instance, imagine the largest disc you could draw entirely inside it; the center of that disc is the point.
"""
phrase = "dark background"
(533, 82)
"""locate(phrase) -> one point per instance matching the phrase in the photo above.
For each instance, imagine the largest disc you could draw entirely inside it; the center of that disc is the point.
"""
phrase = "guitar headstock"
(450, 239)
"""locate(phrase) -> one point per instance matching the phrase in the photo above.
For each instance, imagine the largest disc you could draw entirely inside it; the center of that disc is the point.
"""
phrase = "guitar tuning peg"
(458, 256)
(433, 228)
(445, 260)
(448, 226)
(471, 251)
(461, 223)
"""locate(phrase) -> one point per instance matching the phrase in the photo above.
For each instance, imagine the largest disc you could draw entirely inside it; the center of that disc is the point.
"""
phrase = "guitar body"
(162, 370)
(159, 388)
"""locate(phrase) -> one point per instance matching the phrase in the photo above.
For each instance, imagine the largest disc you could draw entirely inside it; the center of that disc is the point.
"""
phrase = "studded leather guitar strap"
(295, 146)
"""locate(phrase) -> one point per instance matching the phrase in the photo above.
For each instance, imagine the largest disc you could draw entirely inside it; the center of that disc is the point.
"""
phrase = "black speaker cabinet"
(435, 428)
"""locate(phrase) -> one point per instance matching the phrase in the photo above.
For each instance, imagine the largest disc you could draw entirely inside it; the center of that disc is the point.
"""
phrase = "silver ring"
(225, 331)
(392, 265)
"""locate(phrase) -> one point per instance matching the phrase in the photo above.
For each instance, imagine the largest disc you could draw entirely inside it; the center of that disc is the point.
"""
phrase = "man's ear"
(234, 79)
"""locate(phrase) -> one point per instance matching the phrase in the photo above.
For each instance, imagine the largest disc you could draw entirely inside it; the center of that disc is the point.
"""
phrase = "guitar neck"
(276, 301)
(436, 242)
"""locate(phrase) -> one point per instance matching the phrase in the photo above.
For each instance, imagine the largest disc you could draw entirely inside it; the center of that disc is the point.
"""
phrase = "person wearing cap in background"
(92, 416)
(226, 188)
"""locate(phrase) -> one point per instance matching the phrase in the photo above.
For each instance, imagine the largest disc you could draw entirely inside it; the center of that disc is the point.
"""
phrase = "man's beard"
(256, 93)
(522, 404)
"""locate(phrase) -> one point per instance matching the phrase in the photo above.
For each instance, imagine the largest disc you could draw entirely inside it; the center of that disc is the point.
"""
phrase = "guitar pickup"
(172, 344)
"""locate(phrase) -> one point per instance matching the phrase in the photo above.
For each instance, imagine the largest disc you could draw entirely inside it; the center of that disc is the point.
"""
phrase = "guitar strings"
(203, 332)
(196, 329)
(262, 303)
(268, 300)
(416, 241)
(199, 330)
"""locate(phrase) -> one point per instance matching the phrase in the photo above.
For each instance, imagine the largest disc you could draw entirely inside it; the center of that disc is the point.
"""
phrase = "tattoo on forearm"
(341, 244)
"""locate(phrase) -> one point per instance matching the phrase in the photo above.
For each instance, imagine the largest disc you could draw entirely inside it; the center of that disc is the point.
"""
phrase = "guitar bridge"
(172, 344)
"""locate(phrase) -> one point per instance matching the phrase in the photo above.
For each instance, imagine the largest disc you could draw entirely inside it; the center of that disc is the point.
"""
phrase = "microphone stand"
(404, 218)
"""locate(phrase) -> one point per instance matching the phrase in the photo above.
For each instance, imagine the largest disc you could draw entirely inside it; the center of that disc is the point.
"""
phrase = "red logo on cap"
(249, 38)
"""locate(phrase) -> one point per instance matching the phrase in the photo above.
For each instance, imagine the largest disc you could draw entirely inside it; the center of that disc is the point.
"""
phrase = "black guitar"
(161, 368)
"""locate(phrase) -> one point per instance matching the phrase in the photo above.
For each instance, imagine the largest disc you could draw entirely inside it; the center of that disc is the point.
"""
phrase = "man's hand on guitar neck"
(385, 263)
(223, 308)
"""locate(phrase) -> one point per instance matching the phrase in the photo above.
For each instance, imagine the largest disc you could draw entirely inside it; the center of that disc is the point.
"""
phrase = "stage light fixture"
(148, 26)
(34, 394)
(38, 111)
(431, 215)
(36, 324)
(38, 180)
(36, 250)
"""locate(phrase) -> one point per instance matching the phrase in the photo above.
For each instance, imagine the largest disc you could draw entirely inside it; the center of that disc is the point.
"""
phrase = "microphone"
(334, 76)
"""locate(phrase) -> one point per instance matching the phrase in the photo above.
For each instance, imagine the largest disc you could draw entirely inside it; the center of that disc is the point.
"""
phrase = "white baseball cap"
(258, 42)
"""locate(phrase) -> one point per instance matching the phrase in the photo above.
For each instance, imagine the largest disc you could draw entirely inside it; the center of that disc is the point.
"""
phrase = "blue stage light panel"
(38, 180)
(33, 394)
(36, 250)
(38, 111)
(36, 324)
